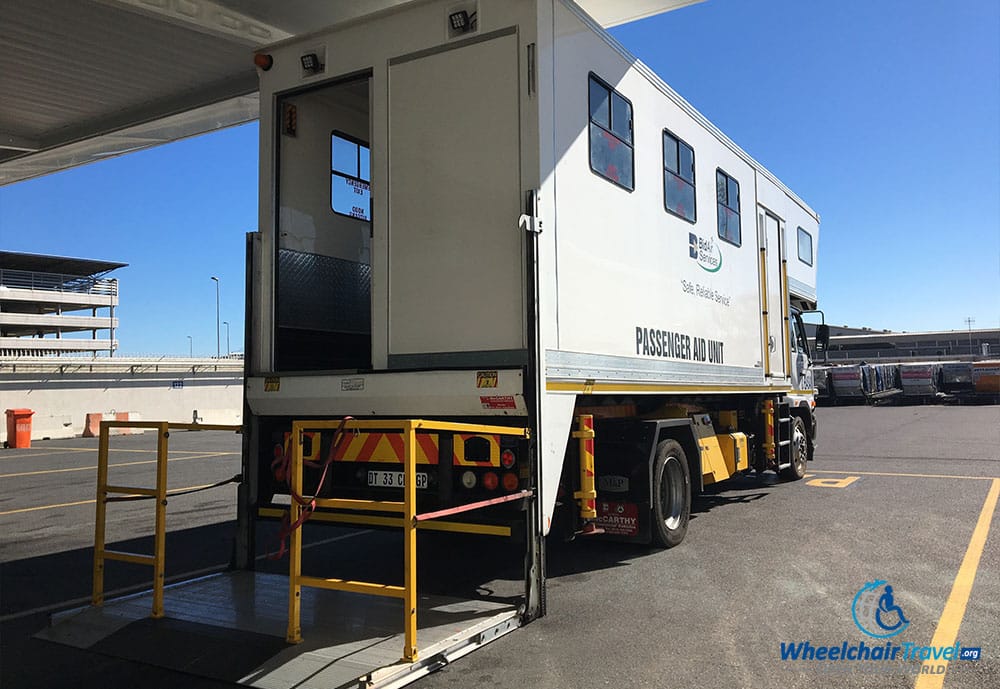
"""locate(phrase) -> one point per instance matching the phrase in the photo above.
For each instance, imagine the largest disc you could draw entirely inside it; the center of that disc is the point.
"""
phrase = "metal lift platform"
(231, 626)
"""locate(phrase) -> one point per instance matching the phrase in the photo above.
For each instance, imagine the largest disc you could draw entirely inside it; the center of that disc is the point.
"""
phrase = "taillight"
(507, 459)
(490, 480)
(469, 479)
(510, 482)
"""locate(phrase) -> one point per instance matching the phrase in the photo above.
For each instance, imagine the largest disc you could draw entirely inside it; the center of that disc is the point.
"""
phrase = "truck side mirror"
(822, 337)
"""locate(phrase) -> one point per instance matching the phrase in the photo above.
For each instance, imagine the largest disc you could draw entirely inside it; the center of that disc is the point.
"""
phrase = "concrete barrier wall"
(61, 401)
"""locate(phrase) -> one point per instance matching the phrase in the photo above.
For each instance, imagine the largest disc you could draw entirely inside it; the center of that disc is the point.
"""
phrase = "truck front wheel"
(800, 451)
(671, 494)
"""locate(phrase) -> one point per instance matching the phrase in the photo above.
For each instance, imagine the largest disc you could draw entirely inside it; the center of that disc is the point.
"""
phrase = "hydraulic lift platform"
(231, 626)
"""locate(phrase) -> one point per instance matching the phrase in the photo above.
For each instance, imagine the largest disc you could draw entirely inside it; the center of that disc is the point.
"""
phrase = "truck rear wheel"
(800, 451)
(671, 494)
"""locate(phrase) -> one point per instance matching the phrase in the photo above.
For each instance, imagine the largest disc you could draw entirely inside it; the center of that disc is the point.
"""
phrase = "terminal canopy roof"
(83, 80)
(38, 263)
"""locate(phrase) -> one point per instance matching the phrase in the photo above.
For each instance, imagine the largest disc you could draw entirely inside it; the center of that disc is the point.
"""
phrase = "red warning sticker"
(618, 518)
(498, 401)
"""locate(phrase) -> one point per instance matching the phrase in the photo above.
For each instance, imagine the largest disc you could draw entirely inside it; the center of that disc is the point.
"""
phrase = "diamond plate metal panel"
(323, 293)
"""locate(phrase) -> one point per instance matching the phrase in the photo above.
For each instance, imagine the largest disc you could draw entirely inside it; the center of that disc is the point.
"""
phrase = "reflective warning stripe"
(385, 447)
(388, 448)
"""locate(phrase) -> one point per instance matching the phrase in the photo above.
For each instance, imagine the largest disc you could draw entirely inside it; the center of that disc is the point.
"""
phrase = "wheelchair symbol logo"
(876, 612)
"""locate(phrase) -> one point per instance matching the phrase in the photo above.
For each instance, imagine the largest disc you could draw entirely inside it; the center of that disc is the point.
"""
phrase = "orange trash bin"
(19, 427)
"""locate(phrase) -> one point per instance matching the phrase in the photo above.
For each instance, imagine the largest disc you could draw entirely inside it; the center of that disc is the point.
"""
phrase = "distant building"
(857, 344)
(45, 298)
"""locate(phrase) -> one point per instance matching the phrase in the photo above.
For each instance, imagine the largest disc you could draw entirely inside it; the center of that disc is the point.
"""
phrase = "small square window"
(805, 243)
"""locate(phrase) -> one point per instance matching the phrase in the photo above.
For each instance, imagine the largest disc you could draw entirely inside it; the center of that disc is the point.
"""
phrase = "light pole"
(218, 328)
(970, 321)
(190, 346)
(226, 323)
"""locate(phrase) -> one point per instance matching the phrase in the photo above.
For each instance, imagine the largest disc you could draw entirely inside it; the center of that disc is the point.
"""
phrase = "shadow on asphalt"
(52, 579)
(448, 564)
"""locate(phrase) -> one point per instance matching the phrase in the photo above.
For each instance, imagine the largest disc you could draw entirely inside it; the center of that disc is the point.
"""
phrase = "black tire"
(671, 494)
(800, 451)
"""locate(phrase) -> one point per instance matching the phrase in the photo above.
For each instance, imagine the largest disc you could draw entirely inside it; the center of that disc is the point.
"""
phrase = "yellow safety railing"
(408, 428)
(587, 495)
(159, 494)
(769, 444)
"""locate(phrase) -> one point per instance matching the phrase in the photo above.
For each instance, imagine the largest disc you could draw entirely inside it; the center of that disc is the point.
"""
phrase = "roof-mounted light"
(311, 63)
(263, 61)
(459, 21)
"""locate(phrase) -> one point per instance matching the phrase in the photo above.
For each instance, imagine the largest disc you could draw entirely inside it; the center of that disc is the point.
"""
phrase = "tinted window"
(611, 154)
(686, 162)
(600, 112)
(669, 152)
(610, 157)
(678, 177)
(621, 118)
(727, 191)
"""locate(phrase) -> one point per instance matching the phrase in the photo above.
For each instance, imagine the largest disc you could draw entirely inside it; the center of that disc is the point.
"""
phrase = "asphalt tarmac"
(896, 494)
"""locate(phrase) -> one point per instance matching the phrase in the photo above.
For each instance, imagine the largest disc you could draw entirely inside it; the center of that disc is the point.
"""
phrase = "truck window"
(350, 177)
(805, 247)
(728, 193)
(611, 153)
(798, 339)
(678, 177)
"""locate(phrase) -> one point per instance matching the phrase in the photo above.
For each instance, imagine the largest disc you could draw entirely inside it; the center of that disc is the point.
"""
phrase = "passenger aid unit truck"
(527, 273)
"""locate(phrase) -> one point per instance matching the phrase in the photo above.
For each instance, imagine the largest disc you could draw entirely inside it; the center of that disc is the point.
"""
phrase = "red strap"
(308, 505)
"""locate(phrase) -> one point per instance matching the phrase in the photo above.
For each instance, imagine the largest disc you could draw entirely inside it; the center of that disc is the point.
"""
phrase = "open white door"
(456, 256)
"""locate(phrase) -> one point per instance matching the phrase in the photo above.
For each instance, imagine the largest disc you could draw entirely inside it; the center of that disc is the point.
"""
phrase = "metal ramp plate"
(231, 626)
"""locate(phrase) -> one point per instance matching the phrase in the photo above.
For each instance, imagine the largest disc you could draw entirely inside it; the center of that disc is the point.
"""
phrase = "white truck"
(486, 212)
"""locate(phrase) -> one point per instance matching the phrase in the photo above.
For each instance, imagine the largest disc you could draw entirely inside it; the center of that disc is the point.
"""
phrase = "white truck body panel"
(436, 393)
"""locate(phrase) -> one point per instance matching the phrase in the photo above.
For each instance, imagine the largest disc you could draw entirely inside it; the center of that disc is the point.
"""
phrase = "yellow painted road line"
(82, 502)
(94, 449)
(120, 464)
(32, 455)
(48, 507)
(879, 473)
(64, 450)
(954, 609)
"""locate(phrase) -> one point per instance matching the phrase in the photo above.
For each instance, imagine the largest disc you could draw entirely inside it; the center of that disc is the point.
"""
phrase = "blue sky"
(884, 116)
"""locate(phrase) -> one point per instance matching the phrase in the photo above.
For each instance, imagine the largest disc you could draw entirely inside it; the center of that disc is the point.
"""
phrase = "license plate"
(393, 479)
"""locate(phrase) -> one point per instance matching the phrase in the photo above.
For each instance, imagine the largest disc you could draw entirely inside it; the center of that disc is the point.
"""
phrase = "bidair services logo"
(876, 612)
(705, 252)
